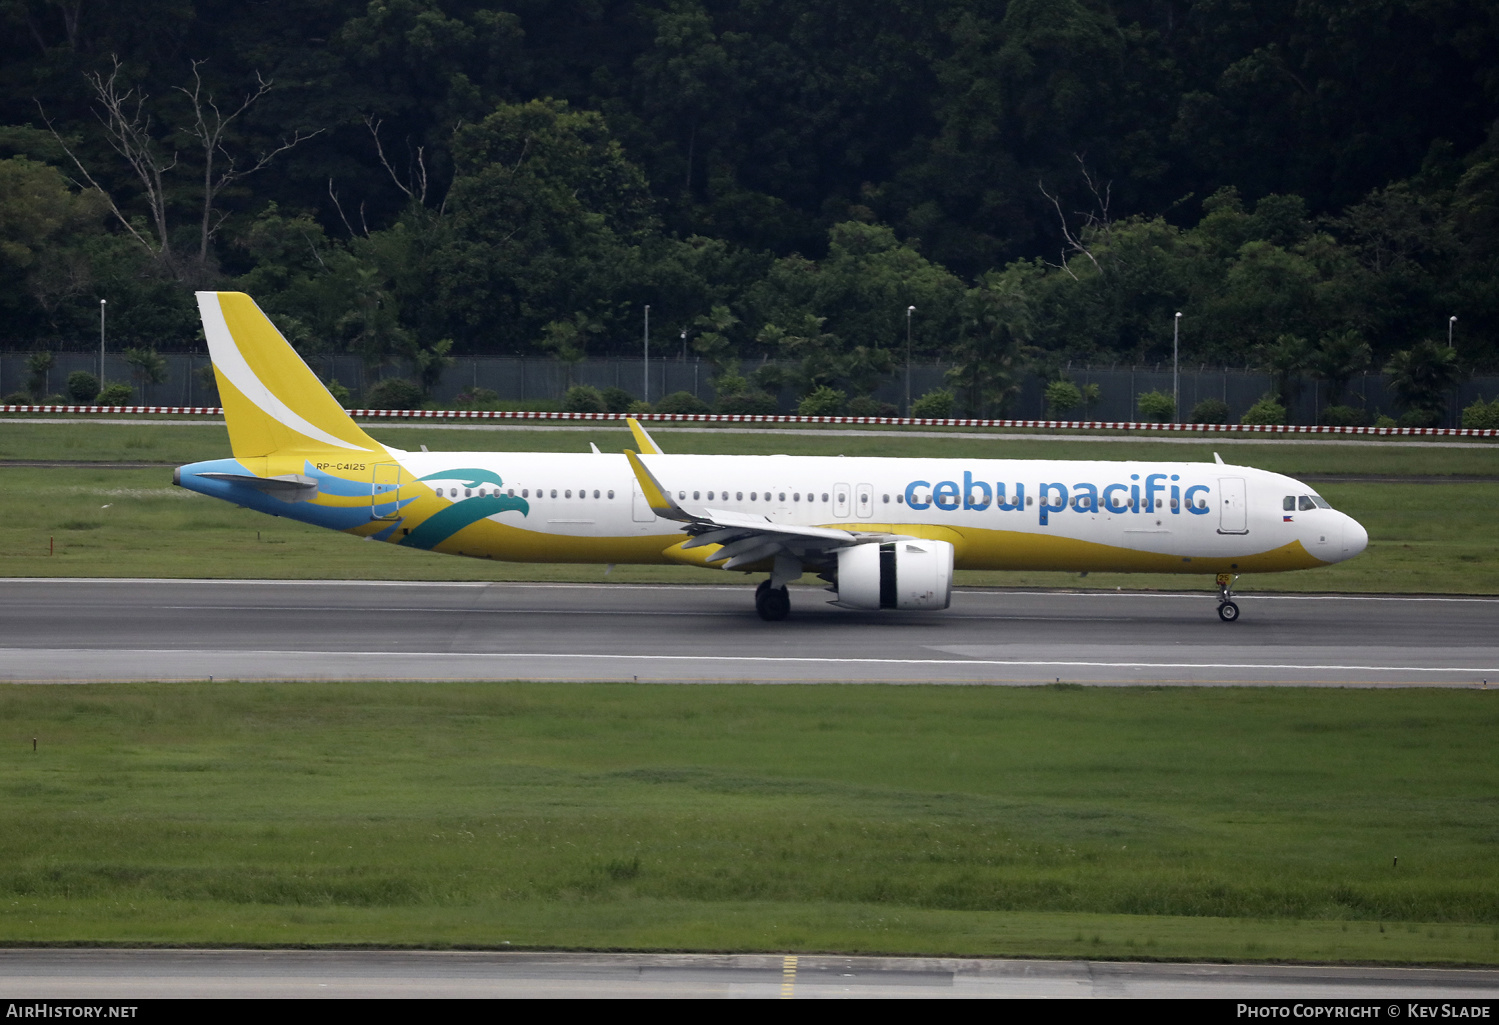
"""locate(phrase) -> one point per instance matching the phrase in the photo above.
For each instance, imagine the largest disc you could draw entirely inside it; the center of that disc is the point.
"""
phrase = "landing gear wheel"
(1227, 610)
(773, 603)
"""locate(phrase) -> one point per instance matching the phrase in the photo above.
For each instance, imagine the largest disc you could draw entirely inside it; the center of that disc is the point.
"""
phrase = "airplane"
(883, 533)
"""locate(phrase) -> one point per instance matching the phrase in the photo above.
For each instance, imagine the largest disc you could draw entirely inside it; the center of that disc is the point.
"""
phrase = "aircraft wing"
(745, 538)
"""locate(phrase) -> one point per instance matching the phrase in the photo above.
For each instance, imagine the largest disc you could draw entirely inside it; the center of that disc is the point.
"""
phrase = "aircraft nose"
(1355, 537)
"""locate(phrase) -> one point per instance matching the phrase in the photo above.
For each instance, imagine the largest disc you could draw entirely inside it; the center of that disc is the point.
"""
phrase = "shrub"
(1062, 397)
(617, 400)
(1344, 416)
(864, 405)
(583, 398)
(1482, 416)
(1385, 421)
(82, 386)
(750, 403)
(117, 394)
(824, 401)
(640, 407)
(1420, 418)
(394, 393)
(39, 365)
(934, 405)
(17, 398)
(1265, 411)
(1211, 411)
(337, 390)
(1155, 407)
(682, 402)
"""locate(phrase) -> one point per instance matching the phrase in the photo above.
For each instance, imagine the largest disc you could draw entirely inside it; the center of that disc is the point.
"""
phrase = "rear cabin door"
(1234, 513)
(385, 485)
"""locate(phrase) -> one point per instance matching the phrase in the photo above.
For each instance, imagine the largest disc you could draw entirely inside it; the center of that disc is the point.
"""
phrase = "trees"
(1422, 377)
(1336, 359)
(134, 134)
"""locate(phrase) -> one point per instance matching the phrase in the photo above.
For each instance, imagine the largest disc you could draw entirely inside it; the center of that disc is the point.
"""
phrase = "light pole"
(101, 343)
(1451, 323)
(646, 384)
(909, 310)
(1176, 407)
(684, 345)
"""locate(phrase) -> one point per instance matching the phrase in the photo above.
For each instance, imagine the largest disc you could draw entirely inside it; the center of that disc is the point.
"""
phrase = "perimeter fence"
(512, 380)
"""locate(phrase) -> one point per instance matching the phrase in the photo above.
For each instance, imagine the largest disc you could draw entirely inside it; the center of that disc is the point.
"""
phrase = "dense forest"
(1313, 185)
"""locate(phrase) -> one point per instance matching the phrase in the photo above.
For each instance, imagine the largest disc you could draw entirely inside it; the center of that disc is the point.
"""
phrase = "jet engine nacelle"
(895, 575)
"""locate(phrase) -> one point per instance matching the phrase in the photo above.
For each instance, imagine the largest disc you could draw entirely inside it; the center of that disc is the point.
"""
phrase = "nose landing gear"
(1227, 610)
(772, 603)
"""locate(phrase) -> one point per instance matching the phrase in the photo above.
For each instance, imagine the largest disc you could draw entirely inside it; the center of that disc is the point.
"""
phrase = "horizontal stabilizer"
(291, 487)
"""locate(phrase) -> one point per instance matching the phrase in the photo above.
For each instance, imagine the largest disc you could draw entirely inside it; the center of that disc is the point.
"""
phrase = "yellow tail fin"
(273, 403)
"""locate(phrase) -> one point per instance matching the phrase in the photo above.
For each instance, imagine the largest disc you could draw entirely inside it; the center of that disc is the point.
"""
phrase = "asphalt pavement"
(82, 630)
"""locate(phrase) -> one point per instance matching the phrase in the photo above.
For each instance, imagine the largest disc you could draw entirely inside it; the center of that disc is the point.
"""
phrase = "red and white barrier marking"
(737, 418)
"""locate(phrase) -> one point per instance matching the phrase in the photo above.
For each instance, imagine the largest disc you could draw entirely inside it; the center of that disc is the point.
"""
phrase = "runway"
(154, 974)
(87, 630)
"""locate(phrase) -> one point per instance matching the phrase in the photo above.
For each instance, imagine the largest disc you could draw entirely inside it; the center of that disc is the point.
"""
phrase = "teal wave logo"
(443, 525)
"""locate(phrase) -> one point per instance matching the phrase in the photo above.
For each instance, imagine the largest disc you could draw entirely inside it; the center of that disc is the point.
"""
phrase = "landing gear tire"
(1227, 610)
(772, 603)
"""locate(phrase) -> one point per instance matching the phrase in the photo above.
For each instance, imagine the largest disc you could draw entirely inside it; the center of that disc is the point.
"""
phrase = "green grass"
(133, 523)
(186, 441)
(106, 522)
(1214, 823)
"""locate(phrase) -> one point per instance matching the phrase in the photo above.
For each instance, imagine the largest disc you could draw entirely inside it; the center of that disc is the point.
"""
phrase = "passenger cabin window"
(782, 498)
(554, 492)
(611, 494)
(739, 496)
(887, 499)
(595, 492)
(900, 499)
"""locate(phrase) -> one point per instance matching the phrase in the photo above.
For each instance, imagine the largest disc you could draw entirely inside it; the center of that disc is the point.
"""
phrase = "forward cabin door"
(385, 484)
(1234, 514)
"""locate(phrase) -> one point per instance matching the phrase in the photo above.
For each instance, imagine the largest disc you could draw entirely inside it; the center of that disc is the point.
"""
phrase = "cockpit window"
(1289, 505)
(1321, 502)
(1307, 503)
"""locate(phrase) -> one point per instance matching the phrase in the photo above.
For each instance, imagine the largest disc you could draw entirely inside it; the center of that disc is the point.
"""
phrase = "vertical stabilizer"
(273, 402)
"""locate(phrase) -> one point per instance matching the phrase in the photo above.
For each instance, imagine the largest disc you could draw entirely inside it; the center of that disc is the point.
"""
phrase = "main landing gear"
(1227, 610)
(773, 603)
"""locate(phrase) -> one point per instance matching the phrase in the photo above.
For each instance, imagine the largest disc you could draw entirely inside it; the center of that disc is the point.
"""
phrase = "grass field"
(107, 522)
(188, 441)
(1215, 823)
